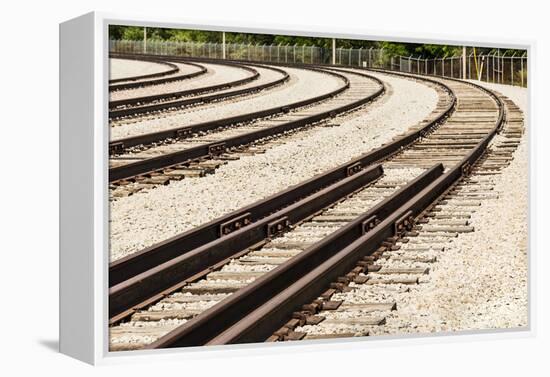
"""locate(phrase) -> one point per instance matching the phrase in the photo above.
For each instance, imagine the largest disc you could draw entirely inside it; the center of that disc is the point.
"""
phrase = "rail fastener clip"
(404, 223)
(370, 223)
(278, 226)
(216, 149)
(235, 224)
(353, 169)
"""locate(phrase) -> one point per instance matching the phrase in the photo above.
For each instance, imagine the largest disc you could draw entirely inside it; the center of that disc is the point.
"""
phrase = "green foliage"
(300, 41)
(132, 33)
(392, 48)
(195, 36)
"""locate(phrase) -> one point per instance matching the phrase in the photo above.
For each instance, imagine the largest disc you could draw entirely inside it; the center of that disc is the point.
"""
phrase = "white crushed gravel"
(123, 68)
(306, 84)
(143, 219)
(266, 75)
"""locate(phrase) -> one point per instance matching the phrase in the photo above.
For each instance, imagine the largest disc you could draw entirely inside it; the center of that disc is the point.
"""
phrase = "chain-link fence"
(493, 67)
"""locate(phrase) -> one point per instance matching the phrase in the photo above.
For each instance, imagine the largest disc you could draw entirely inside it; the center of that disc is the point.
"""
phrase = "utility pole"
(145, 39)
(333, 51)
(223, 44)
(464, 62)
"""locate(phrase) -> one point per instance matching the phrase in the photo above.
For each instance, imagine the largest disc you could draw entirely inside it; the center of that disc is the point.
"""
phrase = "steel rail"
(169, 100)
(147, 109)
(178, 103)
(215, 320)
(189, 92)
(173, 69)
(272, 314)
(163, 80)
(485, 141)
(204, 150)
(123, 297)
(152, 256)
(177, 132)
(270, 300)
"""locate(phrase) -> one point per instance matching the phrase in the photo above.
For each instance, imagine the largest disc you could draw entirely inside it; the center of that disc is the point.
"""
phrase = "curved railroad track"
(172, 69)
(326, 237)
(371, 291)
(203, 147)
(177, 74)
(154, 104)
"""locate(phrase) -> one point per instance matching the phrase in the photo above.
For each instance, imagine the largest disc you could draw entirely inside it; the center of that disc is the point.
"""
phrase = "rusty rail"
(150, 257)
(173, 69)
(136, 84)
(149, 165)
(142, 105)
(216, 320)
(258, 310)
(125, 296)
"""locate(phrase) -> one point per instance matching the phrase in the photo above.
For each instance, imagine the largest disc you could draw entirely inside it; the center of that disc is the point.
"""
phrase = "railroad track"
(157, 79)
(200, 297)
(210, 142)
(152, 105)
(172, 69)
(257, 261)
(369, 293)
(125, 269)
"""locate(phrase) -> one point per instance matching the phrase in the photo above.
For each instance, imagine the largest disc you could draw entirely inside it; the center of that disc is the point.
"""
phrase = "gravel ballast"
(303, 84)
(125, 68)
(145, 218)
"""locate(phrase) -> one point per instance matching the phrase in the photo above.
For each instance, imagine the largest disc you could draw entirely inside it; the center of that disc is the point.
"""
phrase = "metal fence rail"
(493, 67)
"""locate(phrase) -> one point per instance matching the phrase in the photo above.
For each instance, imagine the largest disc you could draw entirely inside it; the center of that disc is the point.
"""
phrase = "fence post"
(333, 51)
(223, 44)
(359, 58)
(145, 39)
(452, 58)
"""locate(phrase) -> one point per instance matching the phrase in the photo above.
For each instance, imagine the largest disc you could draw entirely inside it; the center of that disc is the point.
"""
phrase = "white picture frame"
(84, 206)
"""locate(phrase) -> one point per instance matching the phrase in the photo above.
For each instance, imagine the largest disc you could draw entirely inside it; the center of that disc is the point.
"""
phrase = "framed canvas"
(246, 189)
